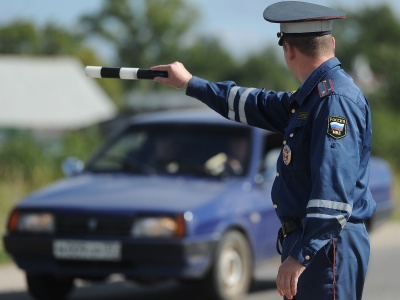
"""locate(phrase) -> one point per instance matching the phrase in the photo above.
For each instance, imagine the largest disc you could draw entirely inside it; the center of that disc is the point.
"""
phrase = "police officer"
(321, 192)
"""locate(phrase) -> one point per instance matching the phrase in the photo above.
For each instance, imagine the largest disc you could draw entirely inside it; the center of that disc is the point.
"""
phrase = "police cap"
(298, 18)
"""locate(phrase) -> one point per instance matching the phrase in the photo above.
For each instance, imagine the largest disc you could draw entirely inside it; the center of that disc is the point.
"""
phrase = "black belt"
(287, 227)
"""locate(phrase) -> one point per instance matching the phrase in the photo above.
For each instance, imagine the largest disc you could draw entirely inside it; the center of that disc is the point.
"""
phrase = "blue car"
(179, 195)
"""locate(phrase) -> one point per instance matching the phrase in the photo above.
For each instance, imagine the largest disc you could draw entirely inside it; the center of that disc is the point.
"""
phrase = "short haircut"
(313, 46)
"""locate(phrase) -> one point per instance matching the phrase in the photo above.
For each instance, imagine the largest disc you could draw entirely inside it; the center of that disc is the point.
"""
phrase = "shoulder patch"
(337, 127)
(325, 87)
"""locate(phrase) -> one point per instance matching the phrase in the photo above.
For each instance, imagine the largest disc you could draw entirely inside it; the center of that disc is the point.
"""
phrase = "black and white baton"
(123, 73)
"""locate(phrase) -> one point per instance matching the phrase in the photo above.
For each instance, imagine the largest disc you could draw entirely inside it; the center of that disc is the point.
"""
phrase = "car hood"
(154, 193)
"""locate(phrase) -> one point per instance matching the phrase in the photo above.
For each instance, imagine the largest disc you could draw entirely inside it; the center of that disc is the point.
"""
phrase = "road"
(382, 281)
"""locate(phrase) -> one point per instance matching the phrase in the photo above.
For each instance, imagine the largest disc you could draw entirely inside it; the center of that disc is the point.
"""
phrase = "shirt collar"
(313, 79)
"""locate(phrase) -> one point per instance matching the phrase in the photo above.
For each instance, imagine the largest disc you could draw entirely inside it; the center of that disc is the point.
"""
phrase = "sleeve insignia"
(337, 127)
(325, 87)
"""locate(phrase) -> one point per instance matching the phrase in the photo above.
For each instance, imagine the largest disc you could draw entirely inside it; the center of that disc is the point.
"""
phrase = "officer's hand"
(178, 76)
(288, 276)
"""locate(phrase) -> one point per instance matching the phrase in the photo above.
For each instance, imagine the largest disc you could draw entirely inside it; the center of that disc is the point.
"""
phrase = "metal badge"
(286, 154)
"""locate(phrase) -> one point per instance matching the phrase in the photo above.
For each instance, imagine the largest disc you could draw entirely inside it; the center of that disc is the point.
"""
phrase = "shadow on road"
(122, 290)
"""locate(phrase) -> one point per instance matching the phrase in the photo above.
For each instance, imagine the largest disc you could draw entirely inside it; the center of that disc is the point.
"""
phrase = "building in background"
(50, 95)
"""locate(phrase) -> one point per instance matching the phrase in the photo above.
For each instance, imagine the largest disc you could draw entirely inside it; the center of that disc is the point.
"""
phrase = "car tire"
(48, 287)
(231, 273)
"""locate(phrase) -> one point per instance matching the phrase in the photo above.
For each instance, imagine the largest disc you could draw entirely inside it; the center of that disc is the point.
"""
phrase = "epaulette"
(325, 88)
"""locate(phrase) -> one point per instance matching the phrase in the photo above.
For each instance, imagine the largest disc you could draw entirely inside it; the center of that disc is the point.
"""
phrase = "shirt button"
(307, 257)
(293, 110)
(277, 174)
(284, 142)
(291, 135)
(275, 206)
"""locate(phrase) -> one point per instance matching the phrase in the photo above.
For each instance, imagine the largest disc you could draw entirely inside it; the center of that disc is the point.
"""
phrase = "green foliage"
(266, 69)
(20, 37)
(141, 33)
(20, 156)
(208, 59)
(82, 143)
(378, 42)
(35, 162)
(386, 141)
(25, 38)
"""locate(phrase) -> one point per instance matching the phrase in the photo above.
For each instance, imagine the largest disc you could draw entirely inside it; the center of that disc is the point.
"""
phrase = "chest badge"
(286, 155)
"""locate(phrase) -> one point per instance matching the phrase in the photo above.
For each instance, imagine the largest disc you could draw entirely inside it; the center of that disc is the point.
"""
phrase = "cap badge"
(286, 154)
(337, 127)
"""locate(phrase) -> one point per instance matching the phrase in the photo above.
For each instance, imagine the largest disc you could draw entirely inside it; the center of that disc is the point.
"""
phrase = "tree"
(208, 59)
(20, 37)
(25, 38)
(267, 69)
(378, 42)
(140, 32)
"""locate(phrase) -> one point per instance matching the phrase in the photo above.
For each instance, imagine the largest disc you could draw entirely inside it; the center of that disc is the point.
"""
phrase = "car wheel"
(230, 275)
(48, 287)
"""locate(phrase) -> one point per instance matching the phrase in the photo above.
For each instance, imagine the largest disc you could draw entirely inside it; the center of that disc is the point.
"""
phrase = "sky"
(239, 24)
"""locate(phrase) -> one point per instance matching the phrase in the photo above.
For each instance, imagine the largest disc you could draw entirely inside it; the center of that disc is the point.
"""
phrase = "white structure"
(49, 94)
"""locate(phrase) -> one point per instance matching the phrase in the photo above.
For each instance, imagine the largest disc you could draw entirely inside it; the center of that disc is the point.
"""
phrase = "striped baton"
(123, 73)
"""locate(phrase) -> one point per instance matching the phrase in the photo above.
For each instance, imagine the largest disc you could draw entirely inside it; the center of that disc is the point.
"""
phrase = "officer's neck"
(306, 65)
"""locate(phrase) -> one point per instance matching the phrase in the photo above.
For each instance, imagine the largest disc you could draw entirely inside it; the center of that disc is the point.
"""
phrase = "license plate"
(87, 250)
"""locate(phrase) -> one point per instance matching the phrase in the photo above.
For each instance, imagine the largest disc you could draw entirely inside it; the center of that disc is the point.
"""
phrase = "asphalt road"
(382, 281)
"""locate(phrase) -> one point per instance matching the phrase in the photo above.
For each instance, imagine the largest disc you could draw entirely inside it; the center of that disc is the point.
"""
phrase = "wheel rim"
(231, 268)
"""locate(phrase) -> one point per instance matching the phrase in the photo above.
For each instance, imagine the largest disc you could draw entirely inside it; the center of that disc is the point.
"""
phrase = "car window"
(204, 150)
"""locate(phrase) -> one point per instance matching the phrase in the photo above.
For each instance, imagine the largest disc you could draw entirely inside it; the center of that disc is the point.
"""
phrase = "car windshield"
(203, 150)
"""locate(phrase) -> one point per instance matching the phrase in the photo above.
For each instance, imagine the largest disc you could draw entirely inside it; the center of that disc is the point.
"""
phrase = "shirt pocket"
(295, 148)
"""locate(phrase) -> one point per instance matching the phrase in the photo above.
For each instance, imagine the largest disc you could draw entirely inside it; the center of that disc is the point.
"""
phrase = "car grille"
(94, 225)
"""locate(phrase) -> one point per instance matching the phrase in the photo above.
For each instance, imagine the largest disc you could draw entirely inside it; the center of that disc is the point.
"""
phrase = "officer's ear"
(289, 50)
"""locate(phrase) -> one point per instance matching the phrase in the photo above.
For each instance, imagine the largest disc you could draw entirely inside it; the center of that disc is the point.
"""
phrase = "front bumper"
(140, 258)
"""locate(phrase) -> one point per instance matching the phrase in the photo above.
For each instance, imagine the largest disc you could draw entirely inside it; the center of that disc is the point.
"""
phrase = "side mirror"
(72, 166)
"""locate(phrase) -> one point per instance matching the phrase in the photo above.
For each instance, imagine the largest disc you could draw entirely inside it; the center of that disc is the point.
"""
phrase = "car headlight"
(159, 227)
(34, 222)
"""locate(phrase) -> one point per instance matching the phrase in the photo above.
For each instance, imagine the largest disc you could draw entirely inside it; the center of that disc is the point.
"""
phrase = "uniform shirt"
(323, 169)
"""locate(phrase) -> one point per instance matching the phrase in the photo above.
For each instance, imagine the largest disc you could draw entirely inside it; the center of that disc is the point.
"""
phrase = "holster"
(287, 228)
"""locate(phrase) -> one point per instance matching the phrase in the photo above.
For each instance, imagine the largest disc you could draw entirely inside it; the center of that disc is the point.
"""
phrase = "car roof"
(192, 116)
